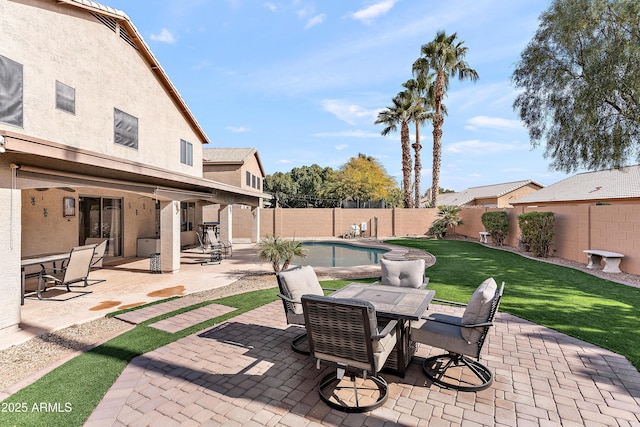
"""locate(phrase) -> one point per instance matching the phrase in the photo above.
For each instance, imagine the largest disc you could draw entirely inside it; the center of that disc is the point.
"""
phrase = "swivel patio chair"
(344, 333)
(463, 338)
(409, 273)
(293, 283)
(75, 271)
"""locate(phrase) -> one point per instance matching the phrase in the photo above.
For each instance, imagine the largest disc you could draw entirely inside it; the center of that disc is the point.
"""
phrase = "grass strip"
(590, 308)
(68, 395)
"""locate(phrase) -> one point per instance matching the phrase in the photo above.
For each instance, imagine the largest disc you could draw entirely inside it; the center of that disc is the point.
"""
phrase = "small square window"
(65, 98)
(125, 129)
(186, 152)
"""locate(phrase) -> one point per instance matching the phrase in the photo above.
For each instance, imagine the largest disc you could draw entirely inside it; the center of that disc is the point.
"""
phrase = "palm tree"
(400, 114)
(279, 252)
(445, 57)
(421, 112)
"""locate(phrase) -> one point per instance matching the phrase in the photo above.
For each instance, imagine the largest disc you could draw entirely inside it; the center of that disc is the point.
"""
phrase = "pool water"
(328, 254)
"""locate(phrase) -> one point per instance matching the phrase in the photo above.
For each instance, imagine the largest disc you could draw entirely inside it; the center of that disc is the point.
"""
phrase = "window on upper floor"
(248, 180)
(11, 92)
(253, 181)
(186, 152)
(125, 129)
(65, 98)
(258, 183)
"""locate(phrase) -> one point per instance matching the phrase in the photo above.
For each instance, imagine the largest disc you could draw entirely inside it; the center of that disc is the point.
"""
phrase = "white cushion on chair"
(300, 281)
(478, 309)
(407, 273)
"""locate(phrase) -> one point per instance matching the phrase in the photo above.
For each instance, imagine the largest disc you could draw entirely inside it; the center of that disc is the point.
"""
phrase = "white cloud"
(238, 129)
(476, 147)
(370, 13)
(283, 162)
(493, 123)
(165, 36)
(341, 147)
(316, 20)
(347, 112)
(272, 7)
(348, 133)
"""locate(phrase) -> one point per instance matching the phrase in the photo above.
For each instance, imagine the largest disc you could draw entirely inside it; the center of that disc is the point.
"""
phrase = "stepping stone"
(190, 318)
(138, 316)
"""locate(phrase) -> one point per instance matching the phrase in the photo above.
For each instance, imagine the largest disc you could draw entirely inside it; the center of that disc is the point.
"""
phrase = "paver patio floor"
(243, 372)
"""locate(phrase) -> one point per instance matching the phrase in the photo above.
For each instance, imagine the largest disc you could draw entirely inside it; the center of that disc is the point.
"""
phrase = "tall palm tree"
(400, 114)
(445, 57)
(421, 112)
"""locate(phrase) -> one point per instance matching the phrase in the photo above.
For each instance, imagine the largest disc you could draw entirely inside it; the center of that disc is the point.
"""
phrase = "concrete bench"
(484, 235)
(611, 260)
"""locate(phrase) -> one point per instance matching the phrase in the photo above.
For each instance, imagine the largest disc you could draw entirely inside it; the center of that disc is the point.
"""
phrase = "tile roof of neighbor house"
(154, 65)
(470, 194)
(620, 183)
(226, 156)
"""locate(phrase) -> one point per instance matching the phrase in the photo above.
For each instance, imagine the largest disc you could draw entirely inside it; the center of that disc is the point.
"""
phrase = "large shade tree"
(399, 114)
(580, 82)
(363, 178)
(445, 57)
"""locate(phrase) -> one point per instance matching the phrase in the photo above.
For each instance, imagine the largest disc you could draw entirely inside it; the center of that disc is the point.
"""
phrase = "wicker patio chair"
(344, 333)
(409, 273)
(293, 283)
(462, 337)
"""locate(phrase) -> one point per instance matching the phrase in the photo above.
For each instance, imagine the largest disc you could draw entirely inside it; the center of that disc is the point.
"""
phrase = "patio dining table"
(39, 260)
(403, 304)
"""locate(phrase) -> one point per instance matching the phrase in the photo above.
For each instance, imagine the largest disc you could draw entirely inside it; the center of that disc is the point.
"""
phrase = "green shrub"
(497, 225)
(537, 231)
(438, 228)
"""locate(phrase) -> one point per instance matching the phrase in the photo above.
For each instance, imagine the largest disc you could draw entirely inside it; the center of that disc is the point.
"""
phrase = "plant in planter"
(279, 252)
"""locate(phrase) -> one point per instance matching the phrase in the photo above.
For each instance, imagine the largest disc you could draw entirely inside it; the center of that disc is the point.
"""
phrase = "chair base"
(337, 396)
(300, 344)
(470, 375)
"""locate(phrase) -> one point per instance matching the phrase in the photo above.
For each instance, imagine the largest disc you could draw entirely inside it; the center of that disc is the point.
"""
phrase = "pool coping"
(394, 252)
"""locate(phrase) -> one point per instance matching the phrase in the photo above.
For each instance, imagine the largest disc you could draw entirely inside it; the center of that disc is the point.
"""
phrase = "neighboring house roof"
(607, 184)
(470, 194)
(230, 156)
(136, 38)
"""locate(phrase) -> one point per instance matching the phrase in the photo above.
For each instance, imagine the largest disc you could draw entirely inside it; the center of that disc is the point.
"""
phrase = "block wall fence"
(613, 228)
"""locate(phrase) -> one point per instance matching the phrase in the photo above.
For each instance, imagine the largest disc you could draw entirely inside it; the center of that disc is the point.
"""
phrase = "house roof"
(230, 156)
(483, 192)
(154, 65)
(607, 184)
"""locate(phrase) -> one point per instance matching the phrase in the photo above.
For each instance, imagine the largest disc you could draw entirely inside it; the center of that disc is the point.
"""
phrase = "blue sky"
(302, 81)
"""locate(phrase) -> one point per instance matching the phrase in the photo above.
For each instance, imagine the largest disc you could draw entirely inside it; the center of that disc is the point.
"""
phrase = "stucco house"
(95, 143)
(611, 186)
(490, 196)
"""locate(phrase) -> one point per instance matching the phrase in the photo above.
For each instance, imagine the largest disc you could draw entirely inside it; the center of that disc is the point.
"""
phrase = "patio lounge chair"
(75, 271)
(225, 247)
(344, 333)
(461, 337)
(293, 283)
(409, 273)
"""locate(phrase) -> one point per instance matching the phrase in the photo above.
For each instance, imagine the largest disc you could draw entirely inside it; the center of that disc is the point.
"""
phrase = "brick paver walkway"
(193, 317)
(146, 313)
(243, 372)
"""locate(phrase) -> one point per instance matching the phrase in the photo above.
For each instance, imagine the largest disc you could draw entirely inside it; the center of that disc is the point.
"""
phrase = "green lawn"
(595, 310)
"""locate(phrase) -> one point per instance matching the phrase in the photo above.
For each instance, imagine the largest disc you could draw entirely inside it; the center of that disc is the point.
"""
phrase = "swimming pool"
(330, 254)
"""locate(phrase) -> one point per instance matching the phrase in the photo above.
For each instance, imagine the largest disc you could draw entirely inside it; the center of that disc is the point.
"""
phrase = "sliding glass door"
(101, 218)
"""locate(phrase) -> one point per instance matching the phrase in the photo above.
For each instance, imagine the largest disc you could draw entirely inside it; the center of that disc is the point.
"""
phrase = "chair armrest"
(287, 299)
(444, 301)
(387, 329)
(471, 325)
(329, 289)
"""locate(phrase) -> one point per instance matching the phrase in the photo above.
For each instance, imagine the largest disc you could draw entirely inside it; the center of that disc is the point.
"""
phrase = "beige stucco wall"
(235, 174)
(57, 42)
